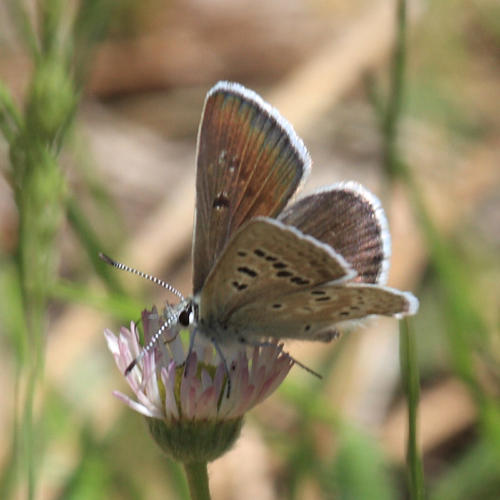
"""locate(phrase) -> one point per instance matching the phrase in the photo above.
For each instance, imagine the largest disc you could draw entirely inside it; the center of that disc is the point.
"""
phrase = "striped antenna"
(155, 280)
(172, 318)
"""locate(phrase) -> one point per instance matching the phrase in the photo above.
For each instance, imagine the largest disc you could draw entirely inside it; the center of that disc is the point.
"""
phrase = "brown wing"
(250, 162)
(311, 314)
(351, 220)
(264, 261)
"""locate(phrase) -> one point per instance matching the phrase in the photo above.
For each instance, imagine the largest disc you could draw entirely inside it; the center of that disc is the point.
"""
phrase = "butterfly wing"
(250, 162)
(351, 220)
(312, 314)
(274, 281)
(264, 260)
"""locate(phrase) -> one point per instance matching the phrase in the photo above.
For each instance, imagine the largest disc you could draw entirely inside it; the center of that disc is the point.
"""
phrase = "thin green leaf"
(21, 19)
(116, 304)
(92, 244)
(10, 117)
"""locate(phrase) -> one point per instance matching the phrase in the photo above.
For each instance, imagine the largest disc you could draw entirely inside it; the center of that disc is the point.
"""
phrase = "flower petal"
(144, 410)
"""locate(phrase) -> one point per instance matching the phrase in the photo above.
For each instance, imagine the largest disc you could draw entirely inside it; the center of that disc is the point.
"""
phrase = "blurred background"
(99, 109)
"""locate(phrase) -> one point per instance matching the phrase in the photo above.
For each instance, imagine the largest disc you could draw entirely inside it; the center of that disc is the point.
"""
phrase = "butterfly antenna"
(154, 339)
(156, 281)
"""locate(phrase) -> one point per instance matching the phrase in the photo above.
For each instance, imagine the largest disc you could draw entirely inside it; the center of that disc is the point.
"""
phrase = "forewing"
(312, 314)
(266, 259)
(351, 220)
(249, 163)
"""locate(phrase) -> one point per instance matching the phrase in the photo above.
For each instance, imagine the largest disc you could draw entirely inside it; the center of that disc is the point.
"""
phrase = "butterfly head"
(186, 313)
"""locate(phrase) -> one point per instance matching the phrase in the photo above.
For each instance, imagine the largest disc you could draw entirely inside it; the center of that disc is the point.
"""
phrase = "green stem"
(35, 138)
(408, 358)
(396, 92)
(197, 476)
(465, 323)
(411, 387)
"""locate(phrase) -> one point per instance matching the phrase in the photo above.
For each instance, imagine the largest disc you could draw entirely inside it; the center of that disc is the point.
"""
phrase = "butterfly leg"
(264, 343)
(219, 352)
(190, 348)
(226, 368)
(152, 342)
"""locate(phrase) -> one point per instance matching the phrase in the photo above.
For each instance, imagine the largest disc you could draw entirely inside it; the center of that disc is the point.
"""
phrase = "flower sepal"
(190, 441)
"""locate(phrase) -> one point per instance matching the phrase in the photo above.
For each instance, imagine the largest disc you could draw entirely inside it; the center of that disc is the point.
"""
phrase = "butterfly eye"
(184, 317)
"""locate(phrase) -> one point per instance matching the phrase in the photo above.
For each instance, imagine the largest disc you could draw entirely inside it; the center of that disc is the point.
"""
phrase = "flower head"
(184, 399)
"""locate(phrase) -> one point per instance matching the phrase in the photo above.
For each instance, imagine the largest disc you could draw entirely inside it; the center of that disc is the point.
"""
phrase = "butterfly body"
(267, 268)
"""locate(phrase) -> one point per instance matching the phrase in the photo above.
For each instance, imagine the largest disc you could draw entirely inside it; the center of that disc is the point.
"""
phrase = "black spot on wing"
(300, 281)
(239, 286)
(324, 298)
(246, 270)
(221, 201)
(279, 265)
(283, 274)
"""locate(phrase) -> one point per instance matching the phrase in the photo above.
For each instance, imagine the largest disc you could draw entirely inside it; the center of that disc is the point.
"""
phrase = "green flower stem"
(411, 387)
(390, 117)
(393, 111)
(197, 476)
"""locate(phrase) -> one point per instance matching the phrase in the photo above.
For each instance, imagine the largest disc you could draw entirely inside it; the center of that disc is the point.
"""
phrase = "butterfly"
(262, 267)
(266, 267)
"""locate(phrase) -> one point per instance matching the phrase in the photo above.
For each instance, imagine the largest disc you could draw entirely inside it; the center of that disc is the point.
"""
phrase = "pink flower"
(166, 389)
